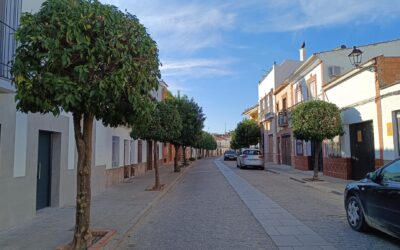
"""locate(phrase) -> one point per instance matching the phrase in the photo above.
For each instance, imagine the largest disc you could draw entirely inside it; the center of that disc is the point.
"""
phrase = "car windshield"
(252, 152)
(230, 152)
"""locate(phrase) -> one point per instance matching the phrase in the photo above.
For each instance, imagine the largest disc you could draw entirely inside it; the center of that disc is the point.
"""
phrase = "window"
(298, 94)
(334, 71)
(333, 147)
(115, 152)
(132, 151)
(398, 130)
(299, 148)
(391, 172)
(284, 105)
(312, 89)
(252, 152)
(140, 148)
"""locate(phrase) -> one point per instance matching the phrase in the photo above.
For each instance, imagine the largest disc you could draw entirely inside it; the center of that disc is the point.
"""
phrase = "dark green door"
(362, 149)
(43, 171)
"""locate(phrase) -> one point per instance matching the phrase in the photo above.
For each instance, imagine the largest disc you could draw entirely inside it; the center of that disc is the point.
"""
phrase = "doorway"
(43, 177)
(286, 150)
(362, 149)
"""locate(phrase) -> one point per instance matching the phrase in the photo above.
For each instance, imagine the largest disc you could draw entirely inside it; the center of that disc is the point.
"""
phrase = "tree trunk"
(317, 149)
(177, 168)
(184, 156)
(82, 235)
(149, 155)
(157, 184)
(191, 152)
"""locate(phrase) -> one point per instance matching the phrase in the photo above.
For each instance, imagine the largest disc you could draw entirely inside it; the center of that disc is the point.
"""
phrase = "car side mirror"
(373, 176)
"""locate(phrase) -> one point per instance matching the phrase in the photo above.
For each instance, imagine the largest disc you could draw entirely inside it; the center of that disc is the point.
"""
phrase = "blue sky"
(217, 51)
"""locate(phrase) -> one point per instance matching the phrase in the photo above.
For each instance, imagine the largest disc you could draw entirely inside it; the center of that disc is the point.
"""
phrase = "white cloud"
(294, 15)
(179, 26)
(195, 68)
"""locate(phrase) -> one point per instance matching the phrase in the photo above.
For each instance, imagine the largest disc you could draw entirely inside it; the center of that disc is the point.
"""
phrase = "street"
(217, 206)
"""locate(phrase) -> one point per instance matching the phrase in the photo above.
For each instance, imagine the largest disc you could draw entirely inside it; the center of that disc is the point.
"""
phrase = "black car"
(230, 155)
(375, 200)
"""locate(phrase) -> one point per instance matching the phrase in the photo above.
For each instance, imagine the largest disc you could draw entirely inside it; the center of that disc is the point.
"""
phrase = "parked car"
(250, 158)
(375, 200)
(230, 155)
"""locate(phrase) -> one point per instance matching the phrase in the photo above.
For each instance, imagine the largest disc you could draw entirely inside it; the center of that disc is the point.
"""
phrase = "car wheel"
(355, 214)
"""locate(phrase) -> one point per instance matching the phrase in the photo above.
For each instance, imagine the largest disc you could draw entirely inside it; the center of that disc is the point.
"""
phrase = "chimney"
(303, 52)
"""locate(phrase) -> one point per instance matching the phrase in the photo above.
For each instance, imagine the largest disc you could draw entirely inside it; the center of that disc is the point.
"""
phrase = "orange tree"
(316, 120)
(163, 125)
(93, 61)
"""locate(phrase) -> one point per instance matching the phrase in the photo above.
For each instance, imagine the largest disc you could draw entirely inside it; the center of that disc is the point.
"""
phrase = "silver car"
(250, 158)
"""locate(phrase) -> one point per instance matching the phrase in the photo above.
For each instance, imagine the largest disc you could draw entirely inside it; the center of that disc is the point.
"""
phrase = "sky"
(217, 51)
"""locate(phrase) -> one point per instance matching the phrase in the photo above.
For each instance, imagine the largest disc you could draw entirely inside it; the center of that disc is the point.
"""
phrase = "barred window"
(115, 152)
(333, 147)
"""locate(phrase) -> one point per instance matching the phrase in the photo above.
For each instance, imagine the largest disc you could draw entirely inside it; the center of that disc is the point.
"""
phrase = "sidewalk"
(118, 208)
(328, 184)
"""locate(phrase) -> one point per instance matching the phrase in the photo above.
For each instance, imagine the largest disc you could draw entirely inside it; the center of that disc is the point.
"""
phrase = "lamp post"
(355, 57)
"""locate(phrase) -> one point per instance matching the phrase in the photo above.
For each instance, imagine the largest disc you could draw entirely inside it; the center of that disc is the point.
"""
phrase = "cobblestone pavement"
(201, 212)
(286, 231)
(320, 210)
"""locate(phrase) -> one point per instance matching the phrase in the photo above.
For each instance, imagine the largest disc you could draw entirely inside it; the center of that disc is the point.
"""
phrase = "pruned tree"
(192, 124)
(93, 61)
(316, 120)
(247, 133)
(163, 125)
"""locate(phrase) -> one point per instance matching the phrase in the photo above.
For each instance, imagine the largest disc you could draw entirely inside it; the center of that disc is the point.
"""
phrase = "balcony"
(283, 119)
(7, 49)
(266, 115)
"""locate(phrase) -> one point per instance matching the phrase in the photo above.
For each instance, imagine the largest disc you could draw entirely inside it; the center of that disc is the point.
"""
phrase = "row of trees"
(97, 63)
(247, 133)
(176, 120)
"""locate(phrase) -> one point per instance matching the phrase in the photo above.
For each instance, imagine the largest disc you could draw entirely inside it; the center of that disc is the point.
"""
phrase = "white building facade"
(37, 152)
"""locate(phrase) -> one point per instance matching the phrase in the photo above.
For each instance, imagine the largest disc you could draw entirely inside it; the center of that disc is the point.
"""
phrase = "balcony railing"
(7, 49)
(283, 119)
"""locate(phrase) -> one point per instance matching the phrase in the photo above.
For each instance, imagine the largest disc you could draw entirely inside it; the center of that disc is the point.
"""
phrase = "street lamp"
(355, 57)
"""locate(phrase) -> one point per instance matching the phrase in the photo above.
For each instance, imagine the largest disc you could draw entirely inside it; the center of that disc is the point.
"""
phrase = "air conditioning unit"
(334, 71)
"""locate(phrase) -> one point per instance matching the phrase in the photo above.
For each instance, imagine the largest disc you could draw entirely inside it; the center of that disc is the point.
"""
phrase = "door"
(362, 149)
(270, 148)
(286, 150)
(127, 160)
(43, 182)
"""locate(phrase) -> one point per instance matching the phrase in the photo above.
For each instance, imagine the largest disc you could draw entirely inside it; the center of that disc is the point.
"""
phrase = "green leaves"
(206, 141)
(192, 117)
(163, 123)
(316, 120)
(247, 133)
(82, 56)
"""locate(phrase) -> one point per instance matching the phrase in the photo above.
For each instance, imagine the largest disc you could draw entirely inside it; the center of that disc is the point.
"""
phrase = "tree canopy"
(247, 133)
(85, 57)
(164, 124)
(89, 59)
(192, 117)
(206, 141)
(316, 120)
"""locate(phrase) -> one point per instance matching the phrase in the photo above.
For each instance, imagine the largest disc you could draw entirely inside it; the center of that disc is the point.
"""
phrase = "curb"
(119, 241)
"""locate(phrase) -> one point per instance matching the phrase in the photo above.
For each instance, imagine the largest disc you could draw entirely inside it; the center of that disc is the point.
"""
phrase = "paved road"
(205, 211)
(319, 209)
(201, 212)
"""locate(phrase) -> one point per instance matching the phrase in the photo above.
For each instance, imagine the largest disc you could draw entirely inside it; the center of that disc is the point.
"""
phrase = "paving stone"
(319, 210)
(284, 240)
